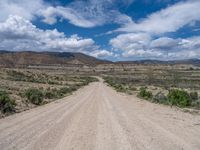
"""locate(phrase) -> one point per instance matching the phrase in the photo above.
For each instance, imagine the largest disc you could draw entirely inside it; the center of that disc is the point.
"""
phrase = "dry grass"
(158, 80)
(17, 81)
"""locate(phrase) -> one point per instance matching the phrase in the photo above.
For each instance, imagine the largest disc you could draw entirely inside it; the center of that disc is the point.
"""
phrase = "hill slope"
(11, 59)
(159, 62)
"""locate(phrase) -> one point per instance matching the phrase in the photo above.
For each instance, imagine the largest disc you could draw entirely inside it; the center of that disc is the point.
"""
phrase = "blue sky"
(107, 29)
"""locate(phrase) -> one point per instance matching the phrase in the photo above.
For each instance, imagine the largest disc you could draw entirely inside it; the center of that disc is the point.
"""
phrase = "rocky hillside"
(25, 58)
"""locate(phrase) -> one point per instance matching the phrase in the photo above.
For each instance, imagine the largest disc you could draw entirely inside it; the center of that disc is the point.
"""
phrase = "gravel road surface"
(98, 118)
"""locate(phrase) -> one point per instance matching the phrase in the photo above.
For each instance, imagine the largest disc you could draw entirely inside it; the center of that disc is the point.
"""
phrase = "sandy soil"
(98, 118)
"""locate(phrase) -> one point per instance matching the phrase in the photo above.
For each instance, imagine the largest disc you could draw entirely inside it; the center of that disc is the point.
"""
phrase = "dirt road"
(98, 118)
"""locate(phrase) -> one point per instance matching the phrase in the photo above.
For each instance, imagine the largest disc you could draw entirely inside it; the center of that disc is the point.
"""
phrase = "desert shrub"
(179, 98)
(58, 93)
(119, 88)
(194, 96)
(52, 82)
(6, 103)
(145, 94)
(87, 80)
(160, 98)
(73, 88)
(34, 95)
(109, 80)
(49, 94)
(16, 75)
(191, 68)
(65, 90)
(132, 88)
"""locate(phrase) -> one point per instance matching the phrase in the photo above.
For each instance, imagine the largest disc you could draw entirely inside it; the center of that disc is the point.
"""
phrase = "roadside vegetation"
(7, 105)
(144, 93)
(22, 89)
(35, 96)
(171, 90)
(175, 97)
(119, 85)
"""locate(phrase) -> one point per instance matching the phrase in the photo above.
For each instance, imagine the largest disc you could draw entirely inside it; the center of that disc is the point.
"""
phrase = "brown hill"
(25, 58)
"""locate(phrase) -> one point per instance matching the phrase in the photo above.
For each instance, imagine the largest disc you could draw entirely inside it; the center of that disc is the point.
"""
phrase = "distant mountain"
(25, 58)
(142, 62)
(187, 61)
(157, 62)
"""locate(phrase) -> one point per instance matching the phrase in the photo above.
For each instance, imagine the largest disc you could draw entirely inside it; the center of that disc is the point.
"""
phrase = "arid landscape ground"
(99, 75)
(97, 117)
(105, 106)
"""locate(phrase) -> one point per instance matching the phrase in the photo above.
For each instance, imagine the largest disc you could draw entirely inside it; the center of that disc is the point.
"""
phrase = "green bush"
(49, 94)
(179, 98)
(120, 87)
(34, 95)
(66, 90)
(145, 94)
(6, 103)
(109, 80)
(160, 98)
(85, 80)
(58, 93)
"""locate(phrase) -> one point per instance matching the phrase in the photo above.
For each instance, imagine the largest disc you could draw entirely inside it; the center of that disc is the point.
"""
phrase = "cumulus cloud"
(164, 43)
(166, 20)
(130, 41)
(193, 42)
(140, 41)
(24, 8)
(141, 53)
(142, 45)
(17, 33)
(101, 53)
(87, 13)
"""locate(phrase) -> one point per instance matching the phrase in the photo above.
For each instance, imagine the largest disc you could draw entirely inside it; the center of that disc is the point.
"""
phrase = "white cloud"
(167, 20)
(193, 42)
(130, 41)
(101, 53)
(141, 45)
(17, 33)
(139, 41)
(87, 13)
(25, 8)
(164, 43)
(81, 13)
(52, 13)
(141, 53)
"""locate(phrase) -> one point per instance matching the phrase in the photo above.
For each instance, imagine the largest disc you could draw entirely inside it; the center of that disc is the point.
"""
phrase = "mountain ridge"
(25, 58)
